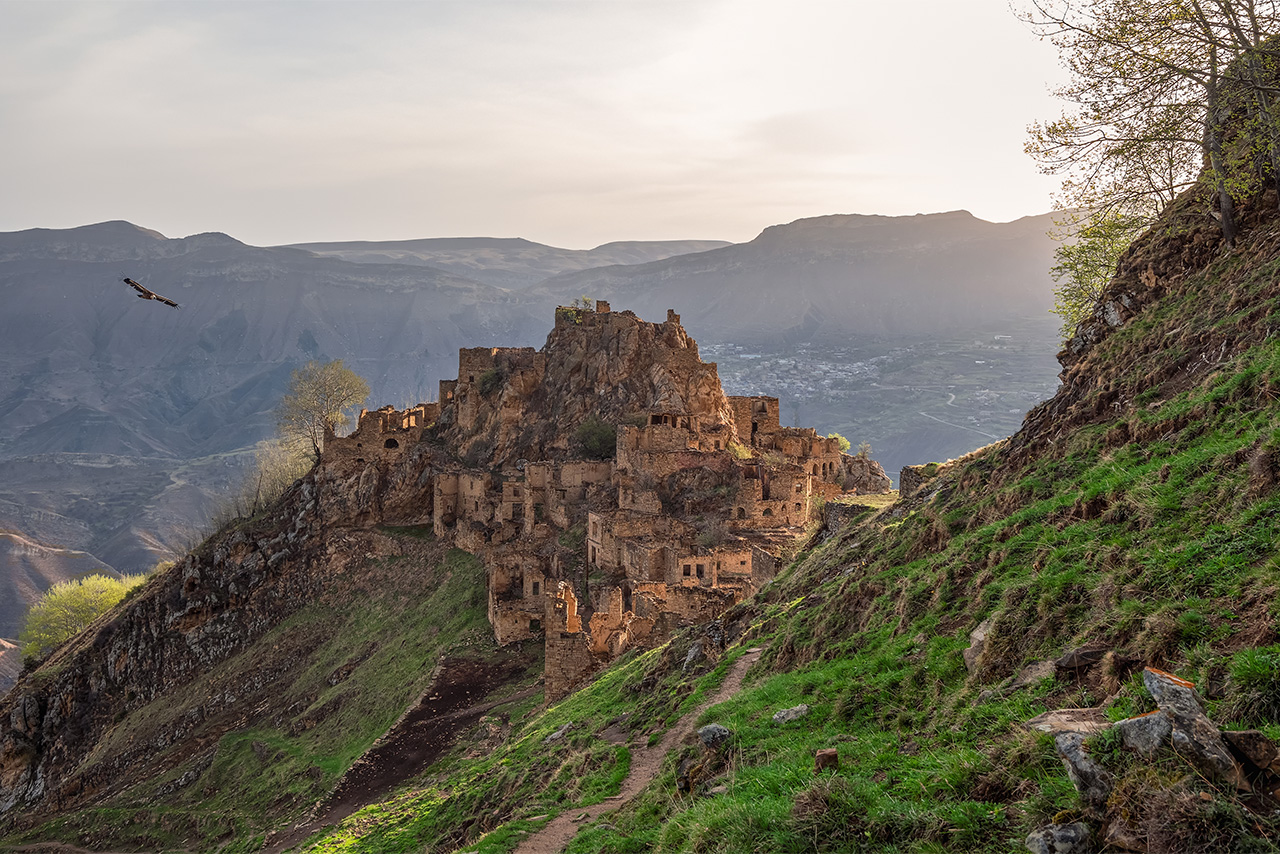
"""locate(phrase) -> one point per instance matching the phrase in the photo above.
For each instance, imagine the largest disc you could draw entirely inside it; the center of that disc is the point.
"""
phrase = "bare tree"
(319, 397)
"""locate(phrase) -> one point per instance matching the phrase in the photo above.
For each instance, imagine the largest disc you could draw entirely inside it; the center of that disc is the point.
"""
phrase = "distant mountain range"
(512, 263)
(122, 420)
(834, 276)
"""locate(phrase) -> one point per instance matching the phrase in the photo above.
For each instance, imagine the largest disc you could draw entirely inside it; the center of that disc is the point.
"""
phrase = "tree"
(1148, 113)
(319, 396)
(1086, 264)
(67, 607)
(845, 444)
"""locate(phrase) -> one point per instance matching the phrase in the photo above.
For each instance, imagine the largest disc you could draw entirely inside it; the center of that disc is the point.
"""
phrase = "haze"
(569, 123)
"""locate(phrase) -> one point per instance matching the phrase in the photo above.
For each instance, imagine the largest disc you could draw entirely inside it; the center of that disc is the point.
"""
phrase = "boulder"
(1059, 839)
(1091, 780)
(794, 713)
(826, 758)
(714, 736)
(693, 657)
(558, 734)
(1194, 736)
(1145, 733)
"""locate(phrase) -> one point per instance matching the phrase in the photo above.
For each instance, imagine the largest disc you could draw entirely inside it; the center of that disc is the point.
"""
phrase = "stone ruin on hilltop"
(596, 556)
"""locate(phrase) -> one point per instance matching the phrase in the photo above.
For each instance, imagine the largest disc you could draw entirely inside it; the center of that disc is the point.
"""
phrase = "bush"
(66, 608)
(490, 381)
(597, 438)
(845, 444)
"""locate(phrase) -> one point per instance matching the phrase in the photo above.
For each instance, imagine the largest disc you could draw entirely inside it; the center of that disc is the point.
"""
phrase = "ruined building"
(684, 516)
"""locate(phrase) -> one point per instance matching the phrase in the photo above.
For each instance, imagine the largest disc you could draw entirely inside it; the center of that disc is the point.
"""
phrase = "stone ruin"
(595, 557)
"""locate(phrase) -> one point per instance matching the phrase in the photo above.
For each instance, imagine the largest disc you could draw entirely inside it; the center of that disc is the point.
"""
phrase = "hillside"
(511, 263)
(833, 277)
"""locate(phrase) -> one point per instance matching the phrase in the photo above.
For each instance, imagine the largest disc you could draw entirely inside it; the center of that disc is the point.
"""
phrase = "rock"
(826, 758)
(1255, 748)
(1091, 780)
(558, 734)
(1029, 675)
(1194, 736)
(1145, 733)
(693, 656)
(722, 789)
(1059, 839)
(794, 713)
(977, 640)
(714, 736)
(1083, 721)
(1078, 660)
(688, 773)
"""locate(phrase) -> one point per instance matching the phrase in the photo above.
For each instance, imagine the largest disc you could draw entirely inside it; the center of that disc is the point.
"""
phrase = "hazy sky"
(570, 122)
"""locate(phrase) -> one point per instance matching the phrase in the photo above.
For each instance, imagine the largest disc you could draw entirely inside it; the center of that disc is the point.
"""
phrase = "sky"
(567, 122)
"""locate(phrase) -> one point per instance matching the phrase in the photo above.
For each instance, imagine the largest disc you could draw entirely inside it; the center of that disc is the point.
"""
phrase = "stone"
(1194, 736)
(794, 713)
(721, 789)
(1084, 721)
(1091, 780)
(828, 757)
(1145, 733)
(714, 736)
(558, 734)
(1255, 748)
(977, 640)
(1059, 839)
(693, 656)
(1077, 660)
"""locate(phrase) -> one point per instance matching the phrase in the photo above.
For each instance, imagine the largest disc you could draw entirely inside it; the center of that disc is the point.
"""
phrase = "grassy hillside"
(1135, 515)
(358, 656)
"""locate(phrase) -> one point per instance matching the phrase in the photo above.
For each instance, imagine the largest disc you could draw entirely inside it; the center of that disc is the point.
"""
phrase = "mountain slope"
(836, 276)
(504, 262)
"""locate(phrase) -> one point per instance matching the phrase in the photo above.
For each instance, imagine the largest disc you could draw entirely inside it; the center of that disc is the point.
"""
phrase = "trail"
(645, 762)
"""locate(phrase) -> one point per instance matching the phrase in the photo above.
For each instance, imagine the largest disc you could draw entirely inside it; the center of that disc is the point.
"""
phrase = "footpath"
(645, 762)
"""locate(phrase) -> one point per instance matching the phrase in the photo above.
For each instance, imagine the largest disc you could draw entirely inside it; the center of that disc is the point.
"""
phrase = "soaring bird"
(143, 293)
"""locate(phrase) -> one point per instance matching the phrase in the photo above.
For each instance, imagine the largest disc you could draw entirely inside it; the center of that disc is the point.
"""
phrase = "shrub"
(490, 381)
(845, 444)
(597, 438)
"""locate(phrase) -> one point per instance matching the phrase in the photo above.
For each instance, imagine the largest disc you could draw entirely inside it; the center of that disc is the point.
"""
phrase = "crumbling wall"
(385, 434)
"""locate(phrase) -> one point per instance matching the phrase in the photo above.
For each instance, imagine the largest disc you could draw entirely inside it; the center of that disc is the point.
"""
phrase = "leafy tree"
(68, 607)
(318, 398)
(845, 444)
(1086, 264)
(1148, 112)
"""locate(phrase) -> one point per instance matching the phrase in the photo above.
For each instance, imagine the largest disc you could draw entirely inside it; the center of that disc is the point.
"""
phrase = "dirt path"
(645, 762)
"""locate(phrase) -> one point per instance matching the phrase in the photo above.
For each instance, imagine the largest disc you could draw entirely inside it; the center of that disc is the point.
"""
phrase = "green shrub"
(597, 438)
(490, 381)
(845, 444)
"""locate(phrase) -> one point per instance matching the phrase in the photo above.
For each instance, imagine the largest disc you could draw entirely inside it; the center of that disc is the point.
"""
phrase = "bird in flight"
(143, 293)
